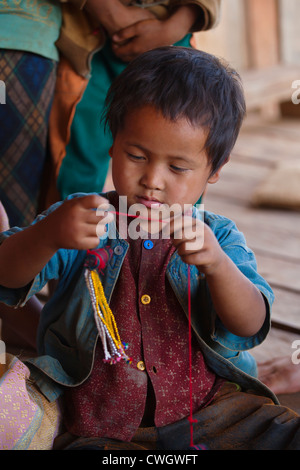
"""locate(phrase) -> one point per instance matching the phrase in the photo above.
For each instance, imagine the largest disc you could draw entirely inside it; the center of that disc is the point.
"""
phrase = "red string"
(190, 418)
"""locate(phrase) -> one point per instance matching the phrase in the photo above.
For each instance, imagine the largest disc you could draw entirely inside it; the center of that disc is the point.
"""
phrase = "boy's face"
(156, 161)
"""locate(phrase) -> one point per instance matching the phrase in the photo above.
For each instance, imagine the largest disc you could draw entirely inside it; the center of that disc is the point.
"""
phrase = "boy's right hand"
(76, 224)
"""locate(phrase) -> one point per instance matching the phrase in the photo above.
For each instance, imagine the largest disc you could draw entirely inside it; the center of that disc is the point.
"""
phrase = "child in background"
(174, 115)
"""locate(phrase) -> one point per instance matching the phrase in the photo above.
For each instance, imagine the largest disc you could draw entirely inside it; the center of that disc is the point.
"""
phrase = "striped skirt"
(28, 82)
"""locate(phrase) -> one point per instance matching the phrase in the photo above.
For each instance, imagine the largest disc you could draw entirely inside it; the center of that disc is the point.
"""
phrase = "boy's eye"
(135, 157)
(178, 169)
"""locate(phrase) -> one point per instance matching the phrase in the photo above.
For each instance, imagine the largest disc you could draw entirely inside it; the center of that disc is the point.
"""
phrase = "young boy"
(174, 114)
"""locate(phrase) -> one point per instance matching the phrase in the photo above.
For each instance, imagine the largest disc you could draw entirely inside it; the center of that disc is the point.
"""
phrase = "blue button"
(148, 244)
(118, 250)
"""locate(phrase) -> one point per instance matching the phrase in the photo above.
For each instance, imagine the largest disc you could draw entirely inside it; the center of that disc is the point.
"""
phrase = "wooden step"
(269, 85)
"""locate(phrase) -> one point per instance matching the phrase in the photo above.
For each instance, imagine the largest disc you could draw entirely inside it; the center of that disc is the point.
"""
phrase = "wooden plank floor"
(274, 235)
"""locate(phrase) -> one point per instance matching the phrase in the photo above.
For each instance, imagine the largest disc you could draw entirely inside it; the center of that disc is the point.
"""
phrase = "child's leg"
(237, 421)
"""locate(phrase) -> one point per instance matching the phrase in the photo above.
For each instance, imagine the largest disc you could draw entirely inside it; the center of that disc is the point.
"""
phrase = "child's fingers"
(183, 227)
(102, 217)
(86, 219)
(172, 223)
(98, 219)
(188, 235)
(92, 201)
(97, 210)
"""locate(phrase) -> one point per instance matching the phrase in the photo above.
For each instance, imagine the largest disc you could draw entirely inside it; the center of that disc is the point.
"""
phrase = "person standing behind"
(28, 59)
(111, 34)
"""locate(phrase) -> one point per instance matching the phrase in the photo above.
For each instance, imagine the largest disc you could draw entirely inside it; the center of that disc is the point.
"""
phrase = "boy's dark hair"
(183, 83)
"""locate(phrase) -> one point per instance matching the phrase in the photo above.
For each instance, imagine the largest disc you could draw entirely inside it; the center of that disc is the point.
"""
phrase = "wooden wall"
(289, 11)
(229, 38)
(255, 33)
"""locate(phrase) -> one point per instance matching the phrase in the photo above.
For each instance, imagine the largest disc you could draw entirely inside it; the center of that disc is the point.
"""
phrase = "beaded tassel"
(113, 347)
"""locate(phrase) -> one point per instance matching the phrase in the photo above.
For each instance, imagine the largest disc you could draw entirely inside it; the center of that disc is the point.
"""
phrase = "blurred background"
(260, 187)
(255, 33)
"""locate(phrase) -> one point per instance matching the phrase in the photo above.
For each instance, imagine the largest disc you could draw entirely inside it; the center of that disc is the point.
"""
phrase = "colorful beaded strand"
(105, 321)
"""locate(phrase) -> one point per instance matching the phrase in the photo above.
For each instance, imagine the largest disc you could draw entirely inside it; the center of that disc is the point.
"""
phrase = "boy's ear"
(216, 176)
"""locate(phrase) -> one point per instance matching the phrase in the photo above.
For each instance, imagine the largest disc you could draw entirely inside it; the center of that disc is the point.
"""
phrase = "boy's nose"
(153, 178)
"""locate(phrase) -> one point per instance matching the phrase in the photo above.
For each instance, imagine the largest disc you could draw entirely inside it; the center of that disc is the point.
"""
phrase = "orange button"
(141, 365)
(146, 299)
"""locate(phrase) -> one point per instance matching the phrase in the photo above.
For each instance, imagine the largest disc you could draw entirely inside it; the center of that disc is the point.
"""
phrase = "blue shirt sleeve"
(234, 245)
(56, 268)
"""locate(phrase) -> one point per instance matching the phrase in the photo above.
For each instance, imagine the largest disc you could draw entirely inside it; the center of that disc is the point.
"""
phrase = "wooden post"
(263, 40)
(262, 32)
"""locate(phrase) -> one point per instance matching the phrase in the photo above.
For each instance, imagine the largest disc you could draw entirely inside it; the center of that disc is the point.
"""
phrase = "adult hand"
(140, 37)
(113, 15)
(150, 33)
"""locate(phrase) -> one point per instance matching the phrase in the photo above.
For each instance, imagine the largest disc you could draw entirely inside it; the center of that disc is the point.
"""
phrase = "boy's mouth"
(149, 202)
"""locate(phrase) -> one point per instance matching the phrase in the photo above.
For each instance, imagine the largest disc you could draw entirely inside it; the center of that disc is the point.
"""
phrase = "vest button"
(145, 299)
(148, 244)
(118, 250)
(141, 365)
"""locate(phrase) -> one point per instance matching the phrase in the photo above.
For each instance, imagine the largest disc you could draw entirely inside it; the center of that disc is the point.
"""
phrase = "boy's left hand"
(196, 244)
(237, 301)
